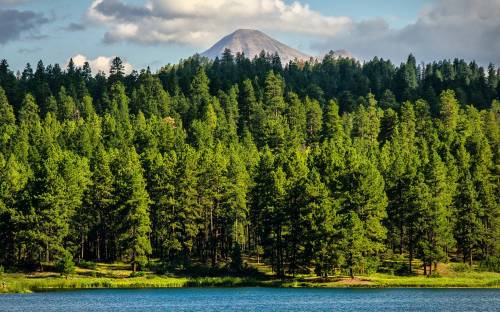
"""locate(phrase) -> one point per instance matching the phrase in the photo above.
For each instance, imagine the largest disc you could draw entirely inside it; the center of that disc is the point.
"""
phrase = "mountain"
(251, 43)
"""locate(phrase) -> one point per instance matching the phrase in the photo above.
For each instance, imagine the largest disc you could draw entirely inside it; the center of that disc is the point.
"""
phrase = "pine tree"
(332, 123)
(132, 202)
(314, 120)
(100, 200)
(360, 189)
(150, 97)
(323, 224)
(297, 119)
(435, 227)
(275, 127)
(58, 187)
(273, 94)
(213, 188)
(116, 71)
(165, 210)
(14, 176)
(200, 94)
(7, 123)
(352, 242)
(247, 106)
(29, 112)
(261, 197)
(190, 212)
(67, 107)
(468, 225)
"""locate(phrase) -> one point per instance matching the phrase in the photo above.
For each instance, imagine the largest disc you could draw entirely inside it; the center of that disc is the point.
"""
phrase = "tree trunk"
(470, 256)
(82, 243)
(430, 265)
(411, 248)
(401, 239)
(280, 254)
(134, 264)
(40, 258)
(212, 239)
(98, 251)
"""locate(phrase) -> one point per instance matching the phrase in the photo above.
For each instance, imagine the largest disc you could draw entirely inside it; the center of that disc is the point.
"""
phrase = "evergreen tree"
(7, 123)
(212, 162)
(132, 201)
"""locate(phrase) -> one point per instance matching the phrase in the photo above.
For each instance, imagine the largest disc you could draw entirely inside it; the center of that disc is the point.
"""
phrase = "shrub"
(402, 269)
(137, 274)
(372, 265)
(88, 265)
(435, 274)
(66, 266)
(460, 267)
(491, 264)
(236, 264)
(161, 268)
(2, 270)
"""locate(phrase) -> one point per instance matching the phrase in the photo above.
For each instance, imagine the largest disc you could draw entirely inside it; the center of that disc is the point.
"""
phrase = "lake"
(255, 299)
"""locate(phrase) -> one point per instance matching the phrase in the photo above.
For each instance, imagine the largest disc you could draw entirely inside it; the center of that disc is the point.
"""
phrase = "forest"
(311, 167)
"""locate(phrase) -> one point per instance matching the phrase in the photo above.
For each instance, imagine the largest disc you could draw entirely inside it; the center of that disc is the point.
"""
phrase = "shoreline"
(12, 285)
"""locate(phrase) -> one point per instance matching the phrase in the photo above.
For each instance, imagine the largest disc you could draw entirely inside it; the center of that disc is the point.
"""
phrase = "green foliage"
(65, 265)
(461, 267)
(491, 264)
(210, 162)
(236, 261)
(133, 208)
(137, 274)
(91, 265)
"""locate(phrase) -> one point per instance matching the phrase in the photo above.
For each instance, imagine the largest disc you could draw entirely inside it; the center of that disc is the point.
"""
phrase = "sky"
(157, 32)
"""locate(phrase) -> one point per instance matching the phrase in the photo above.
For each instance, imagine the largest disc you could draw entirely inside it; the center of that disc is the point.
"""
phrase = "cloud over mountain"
(200, 22)
(446, 28)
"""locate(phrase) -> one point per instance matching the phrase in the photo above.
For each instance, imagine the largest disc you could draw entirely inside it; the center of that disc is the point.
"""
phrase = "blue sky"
(157, 32)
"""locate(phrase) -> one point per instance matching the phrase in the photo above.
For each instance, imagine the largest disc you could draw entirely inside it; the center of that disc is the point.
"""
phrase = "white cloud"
(99, 64)
(468, 29)
(200, 22)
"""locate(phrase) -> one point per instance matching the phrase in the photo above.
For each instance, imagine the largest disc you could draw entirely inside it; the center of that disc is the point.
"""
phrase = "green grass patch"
(119, 275)
(24, 285)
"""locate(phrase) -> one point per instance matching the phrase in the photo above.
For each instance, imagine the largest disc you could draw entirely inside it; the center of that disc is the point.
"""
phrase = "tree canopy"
(324, 166)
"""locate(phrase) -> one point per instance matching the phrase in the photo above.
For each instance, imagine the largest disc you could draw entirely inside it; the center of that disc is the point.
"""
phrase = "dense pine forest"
(309, 167)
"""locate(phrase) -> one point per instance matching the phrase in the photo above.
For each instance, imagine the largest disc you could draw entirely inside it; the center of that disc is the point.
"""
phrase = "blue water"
(256, 299)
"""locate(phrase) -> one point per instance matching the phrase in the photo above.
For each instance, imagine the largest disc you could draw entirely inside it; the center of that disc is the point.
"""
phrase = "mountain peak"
(247, 31)
(251, 42)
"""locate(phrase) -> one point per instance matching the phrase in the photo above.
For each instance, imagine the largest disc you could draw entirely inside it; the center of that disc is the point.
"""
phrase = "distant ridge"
(251, 42)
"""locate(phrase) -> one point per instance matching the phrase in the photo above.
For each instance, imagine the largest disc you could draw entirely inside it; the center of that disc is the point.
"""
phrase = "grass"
(25, 284)
(119, 276)
(378, 280)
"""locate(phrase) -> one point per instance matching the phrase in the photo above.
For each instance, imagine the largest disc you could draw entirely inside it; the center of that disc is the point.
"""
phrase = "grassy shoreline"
(119, 275)
(16, 283)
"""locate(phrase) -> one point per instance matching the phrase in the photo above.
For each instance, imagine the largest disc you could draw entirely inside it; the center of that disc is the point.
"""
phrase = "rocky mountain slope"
(251, 43)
